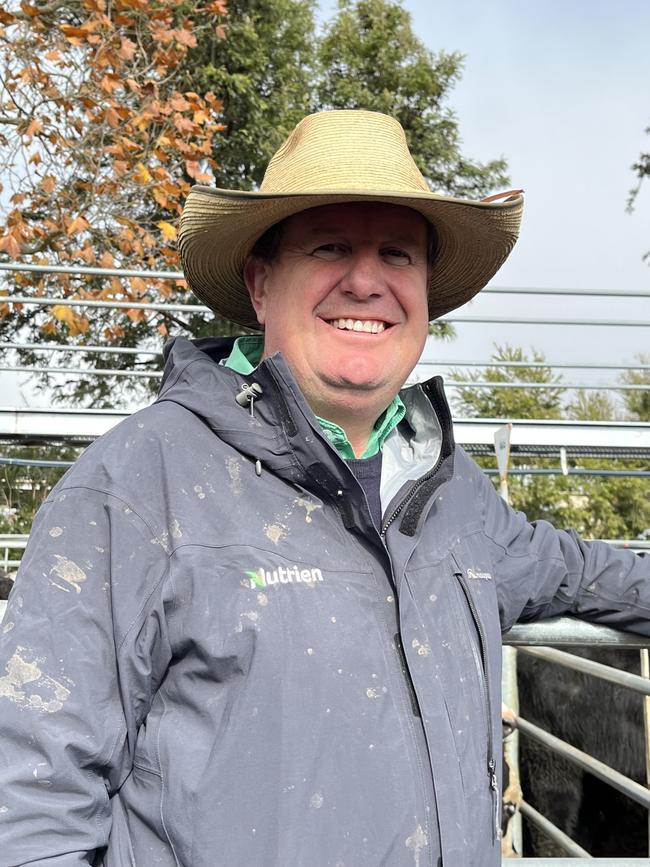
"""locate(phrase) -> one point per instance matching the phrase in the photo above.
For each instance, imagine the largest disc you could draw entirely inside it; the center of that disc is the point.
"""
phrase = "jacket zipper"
(418, 484)
(485, 689)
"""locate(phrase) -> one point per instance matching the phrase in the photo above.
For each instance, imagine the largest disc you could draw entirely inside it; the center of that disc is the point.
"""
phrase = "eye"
(396, 256)
(329, 252)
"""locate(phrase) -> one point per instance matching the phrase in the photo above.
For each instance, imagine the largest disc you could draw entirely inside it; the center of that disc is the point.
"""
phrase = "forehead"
(380, 220)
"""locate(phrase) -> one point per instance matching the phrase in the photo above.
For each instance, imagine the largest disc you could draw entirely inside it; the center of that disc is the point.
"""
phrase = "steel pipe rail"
(54, 423)
(578, 365)
(33, 462)
(118, 305)
(13, 540)
(593, 766)
(562, 386)
(94, 371)
(92, 271)
(98, 371)
(123, 350)
(589, 666)
(577, 862)
(199, 308)
(571, 632)
(90, 349)
(178, 275)
(552, 832)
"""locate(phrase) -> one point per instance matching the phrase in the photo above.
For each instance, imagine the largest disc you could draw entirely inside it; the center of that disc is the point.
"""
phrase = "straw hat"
(333, 157)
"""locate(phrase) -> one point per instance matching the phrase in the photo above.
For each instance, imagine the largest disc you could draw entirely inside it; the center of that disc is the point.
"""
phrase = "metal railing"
(532, 639)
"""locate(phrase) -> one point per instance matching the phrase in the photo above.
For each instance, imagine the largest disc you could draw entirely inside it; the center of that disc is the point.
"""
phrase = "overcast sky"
(560, 89)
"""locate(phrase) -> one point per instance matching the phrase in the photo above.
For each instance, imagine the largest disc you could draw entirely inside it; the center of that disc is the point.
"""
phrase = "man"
(259, 622)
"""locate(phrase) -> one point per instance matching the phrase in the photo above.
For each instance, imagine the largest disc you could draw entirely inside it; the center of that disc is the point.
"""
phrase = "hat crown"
(344, 150)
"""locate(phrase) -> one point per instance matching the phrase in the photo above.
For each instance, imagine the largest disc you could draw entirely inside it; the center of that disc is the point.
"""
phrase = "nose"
(363, 278)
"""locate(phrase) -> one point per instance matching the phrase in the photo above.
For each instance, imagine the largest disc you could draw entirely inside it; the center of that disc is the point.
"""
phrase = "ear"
(255, 274)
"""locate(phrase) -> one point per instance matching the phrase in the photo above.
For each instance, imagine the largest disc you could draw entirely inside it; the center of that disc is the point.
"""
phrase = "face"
(345, 302)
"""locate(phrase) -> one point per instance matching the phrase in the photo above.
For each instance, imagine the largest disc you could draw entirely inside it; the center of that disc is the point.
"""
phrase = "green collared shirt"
(246, 355)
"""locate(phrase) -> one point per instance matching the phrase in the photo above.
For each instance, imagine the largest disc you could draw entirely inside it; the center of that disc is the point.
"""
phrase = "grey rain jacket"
(208, 660)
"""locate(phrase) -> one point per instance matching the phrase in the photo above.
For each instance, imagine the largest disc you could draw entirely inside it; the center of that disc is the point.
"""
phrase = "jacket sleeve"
(82, 646)
(543, 572)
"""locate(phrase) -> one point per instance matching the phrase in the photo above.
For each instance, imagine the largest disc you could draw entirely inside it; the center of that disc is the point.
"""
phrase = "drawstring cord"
(247, 397)
(248, 394)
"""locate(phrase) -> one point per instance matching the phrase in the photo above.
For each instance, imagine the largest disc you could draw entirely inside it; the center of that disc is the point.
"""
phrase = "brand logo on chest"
(262, 577)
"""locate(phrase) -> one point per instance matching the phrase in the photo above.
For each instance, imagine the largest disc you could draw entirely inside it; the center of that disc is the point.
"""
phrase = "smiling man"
(344, 299)
(259, 622)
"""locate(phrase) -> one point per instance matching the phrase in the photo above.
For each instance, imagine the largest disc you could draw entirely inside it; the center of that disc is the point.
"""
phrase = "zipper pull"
(494, 785)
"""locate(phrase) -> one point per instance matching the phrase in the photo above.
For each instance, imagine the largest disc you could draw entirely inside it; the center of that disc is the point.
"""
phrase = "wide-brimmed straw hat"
(333, 157)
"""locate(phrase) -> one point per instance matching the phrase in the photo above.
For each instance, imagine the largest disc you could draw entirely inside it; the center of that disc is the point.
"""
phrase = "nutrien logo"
(283, 575)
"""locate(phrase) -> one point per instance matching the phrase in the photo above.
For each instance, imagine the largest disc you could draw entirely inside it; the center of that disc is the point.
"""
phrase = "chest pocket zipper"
(481, 660)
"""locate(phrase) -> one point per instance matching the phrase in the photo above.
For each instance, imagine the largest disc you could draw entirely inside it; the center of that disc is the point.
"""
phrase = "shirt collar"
(246, 354)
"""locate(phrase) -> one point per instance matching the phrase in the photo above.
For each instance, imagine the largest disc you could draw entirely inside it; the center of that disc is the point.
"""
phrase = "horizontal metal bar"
(85, 424)
(527, 320)
(624, 474)
(450, 383)
(118, 305)
(543, 471)
(603, 293)
(562, 386)
(61, 347)
(197, 308)
(31, 462)
(588, 763)
(571, 632)
(552, 831)
(13, 540)
(86, 372)
(121, 350)
(577, 862)
(589, 666)
(178, 275)
(491, 364)
(87, 269)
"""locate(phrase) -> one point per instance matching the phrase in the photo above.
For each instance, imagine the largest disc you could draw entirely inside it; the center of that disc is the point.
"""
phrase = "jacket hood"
(281, 432)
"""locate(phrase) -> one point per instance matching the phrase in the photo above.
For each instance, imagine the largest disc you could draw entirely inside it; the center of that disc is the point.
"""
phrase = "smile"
(369, 326)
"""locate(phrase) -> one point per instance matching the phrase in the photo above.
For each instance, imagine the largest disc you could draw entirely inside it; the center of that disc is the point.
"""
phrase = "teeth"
(370, 326)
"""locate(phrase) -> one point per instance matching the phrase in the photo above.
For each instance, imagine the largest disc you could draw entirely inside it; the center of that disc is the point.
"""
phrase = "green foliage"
(371, 58)
(597, 507)
(509, 402)
(637, 402)
(24, 488)
(263, 71)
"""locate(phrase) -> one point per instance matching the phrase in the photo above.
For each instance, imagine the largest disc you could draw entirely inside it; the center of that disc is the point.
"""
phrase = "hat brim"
(218, 229)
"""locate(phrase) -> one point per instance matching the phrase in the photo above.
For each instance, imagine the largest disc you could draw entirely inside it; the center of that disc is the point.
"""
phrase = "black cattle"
(601, 719)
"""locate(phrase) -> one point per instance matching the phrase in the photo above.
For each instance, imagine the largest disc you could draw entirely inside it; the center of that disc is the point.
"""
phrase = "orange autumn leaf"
(141, 174)
(127, 49)
(135, 315)
(10, 246)
(112, 117)
(185, 37)
(168, 231)
(79, 224)
(218, 7)
(48, 184)
(34, 126)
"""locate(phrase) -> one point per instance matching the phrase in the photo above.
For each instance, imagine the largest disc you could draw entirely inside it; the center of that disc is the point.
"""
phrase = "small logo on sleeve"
(282, 575)
(481, 576)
